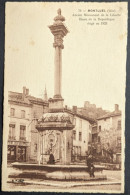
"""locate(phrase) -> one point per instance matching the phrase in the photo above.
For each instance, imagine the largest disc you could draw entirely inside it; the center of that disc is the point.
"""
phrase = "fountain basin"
(56, 172)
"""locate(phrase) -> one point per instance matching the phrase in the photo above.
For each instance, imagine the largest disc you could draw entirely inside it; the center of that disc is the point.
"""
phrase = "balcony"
(12, 138)
(22, 138)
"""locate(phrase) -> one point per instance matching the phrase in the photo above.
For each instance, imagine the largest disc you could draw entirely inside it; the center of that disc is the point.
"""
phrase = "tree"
(108, 140)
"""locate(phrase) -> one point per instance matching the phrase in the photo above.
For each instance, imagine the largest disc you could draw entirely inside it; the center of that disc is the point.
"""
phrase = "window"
(79, 150)
(12, 131)
(74, 122)
(35, 147)
(11, 153)
(74, 135)
(100, 128)
(119, 125)
(12, 112)
(99, 140)
(21, 153)
(22, 113)
(80, 136)
(80, 124)
(119, 142)
(22, 132)
(74, 150)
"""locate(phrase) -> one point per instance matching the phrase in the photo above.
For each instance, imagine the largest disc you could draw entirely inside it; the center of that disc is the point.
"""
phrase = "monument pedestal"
(55, 136)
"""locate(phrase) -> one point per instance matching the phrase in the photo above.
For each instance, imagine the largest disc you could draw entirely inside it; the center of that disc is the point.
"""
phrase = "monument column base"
(56, 131)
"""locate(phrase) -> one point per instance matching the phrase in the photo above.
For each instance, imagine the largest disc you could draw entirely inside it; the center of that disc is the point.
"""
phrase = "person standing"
(90, 165)
(51, 159)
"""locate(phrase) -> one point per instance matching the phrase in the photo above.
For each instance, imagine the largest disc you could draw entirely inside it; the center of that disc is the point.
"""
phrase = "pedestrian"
(90, 165)
(92, 169)
(51, 159)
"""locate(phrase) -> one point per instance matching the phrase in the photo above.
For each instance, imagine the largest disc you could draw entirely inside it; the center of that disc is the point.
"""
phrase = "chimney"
(74, 109)
(45, 95)
(66, 107)
(116, 107)
(27, 91)
(24, 92)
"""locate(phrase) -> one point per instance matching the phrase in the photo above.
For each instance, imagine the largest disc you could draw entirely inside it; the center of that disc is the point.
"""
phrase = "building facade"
(81, 134)
(23, 111)
(95, 142)
(109, 130)
(88, 135)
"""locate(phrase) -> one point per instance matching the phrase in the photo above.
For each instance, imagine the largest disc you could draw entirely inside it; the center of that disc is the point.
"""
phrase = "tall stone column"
(59, 30)
(58, 72)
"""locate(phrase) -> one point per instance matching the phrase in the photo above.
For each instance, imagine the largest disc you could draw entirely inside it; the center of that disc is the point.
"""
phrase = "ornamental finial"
(59, 18)
(59, 11)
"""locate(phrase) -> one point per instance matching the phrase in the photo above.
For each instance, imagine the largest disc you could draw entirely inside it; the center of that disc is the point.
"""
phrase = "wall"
(85, 129)
(21, 148)
(110, 133)
(36, 113)
(105, 123)
(115, 120)
(17, 120)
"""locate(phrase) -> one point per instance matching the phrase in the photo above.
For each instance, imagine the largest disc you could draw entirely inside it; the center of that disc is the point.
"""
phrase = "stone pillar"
(16, 152)
(39, 149)
(59, 30)
(57, 74)
(27, 153)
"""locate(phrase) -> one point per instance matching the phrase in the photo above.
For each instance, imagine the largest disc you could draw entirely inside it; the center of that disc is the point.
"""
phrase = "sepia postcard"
(64, 97)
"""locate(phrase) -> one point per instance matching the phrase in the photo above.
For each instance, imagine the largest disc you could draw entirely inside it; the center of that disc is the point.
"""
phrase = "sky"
(93, 58)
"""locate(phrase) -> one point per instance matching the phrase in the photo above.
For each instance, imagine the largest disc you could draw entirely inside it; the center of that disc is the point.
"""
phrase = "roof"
(81, 116)
(18, 98)
(110, 114)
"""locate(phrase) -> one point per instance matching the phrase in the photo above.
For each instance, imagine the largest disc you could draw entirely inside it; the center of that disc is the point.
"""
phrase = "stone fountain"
(55, 129)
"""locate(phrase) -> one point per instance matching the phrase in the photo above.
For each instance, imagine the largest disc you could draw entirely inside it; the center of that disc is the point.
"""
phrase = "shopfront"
(17, 151)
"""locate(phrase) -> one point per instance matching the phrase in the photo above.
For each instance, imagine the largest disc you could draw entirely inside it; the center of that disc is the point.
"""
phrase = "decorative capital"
(58, 41)
(59, 18)
(59, 30)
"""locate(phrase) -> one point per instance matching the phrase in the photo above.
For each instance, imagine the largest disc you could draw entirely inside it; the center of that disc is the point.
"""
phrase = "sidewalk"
(67, 184)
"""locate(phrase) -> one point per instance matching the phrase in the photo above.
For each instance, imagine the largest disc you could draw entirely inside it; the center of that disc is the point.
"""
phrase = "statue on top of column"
(59, 18)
